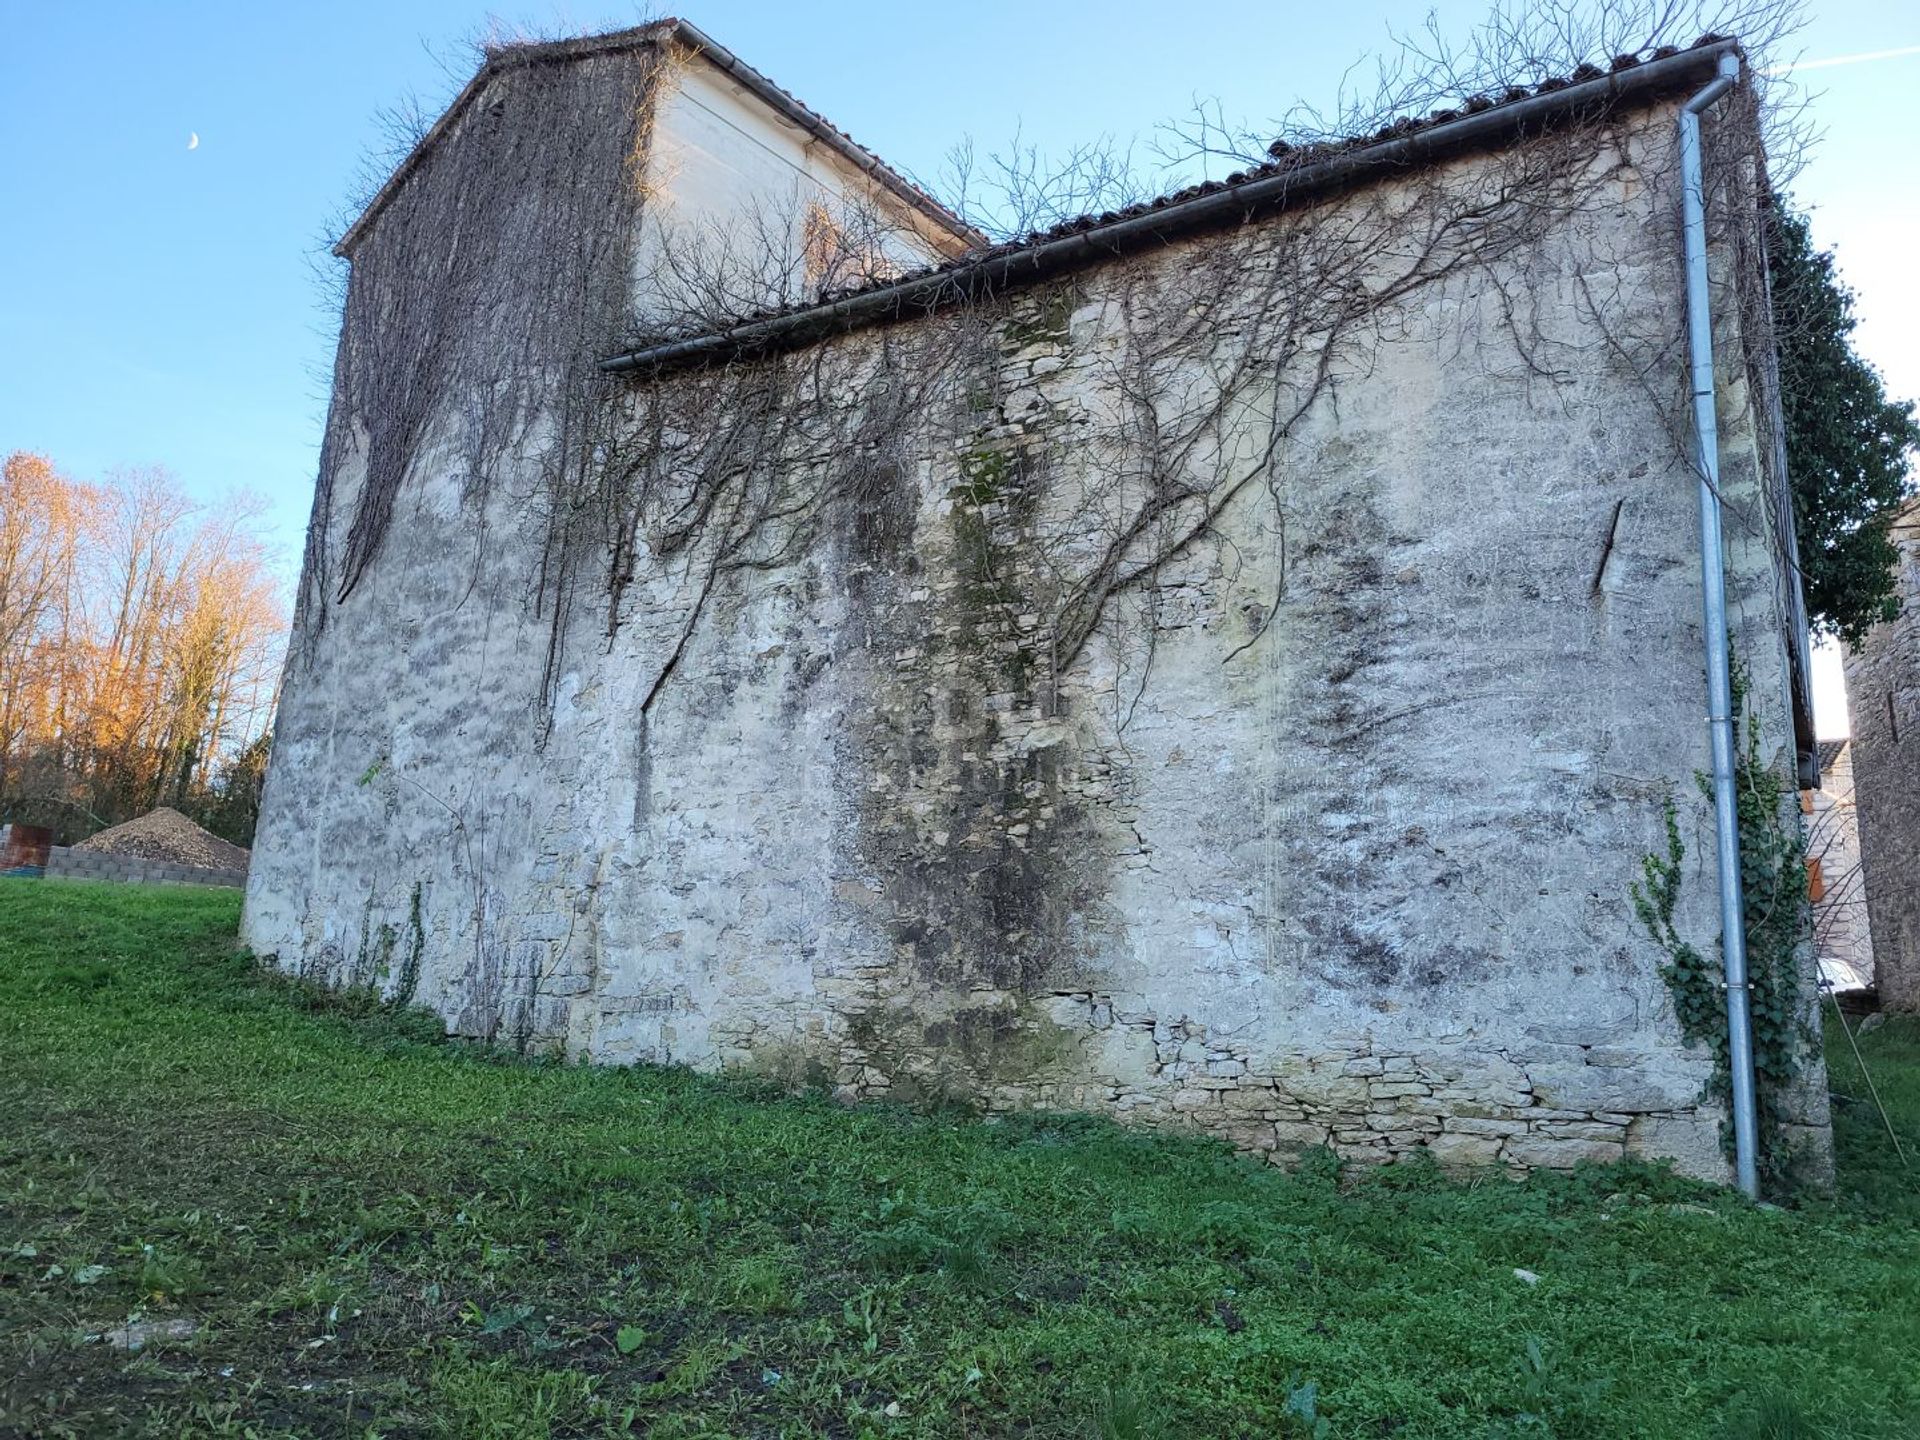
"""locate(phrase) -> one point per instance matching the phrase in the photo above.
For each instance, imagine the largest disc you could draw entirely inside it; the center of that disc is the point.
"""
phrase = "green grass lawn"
(356, 1231)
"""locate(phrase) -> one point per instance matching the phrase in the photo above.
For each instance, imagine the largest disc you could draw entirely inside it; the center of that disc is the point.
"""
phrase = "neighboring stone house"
(1883, 706)
(1835, 883)
(1063, 676)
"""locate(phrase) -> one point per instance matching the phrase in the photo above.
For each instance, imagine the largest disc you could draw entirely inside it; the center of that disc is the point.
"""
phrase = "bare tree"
(1516, 44)
(1018, 189)
(139, 641)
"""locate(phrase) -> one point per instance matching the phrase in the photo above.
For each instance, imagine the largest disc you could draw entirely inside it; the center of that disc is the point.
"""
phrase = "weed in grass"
(865, 1315)
(698, 1364)
(498, 1320)
(77, 977)
(1772, 1417)
(164, 1275)
(901, 1249)
(966, 1265)
(759, 1285)
(1548, 1396)
(500, 1400)
(1124, 1414)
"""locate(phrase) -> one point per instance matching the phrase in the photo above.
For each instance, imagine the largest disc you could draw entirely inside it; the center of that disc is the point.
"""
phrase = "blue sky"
(158, 305)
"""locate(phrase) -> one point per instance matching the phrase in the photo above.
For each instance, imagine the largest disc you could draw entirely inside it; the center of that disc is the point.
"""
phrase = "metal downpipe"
(1733, 937)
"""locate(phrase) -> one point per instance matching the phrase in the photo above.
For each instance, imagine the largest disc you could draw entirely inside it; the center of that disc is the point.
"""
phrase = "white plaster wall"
(721, 167)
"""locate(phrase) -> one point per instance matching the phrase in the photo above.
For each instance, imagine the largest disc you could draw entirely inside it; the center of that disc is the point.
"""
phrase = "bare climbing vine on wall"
(502, 270)
(1203, 374)
(480, 300)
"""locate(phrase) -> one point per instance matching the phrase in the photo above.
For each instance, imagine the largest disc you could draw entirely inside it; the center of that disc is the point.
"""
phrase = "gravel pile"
(169, 836)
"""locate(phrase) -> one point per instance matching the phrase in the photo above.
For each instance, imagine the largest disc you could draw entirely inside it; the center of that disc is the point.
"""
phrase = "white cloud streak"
(1837, 60)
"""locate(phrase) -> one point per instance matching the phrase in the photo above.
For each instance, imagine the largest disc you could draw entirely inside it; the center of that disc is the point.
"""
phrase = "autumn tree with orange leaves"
(140, 645)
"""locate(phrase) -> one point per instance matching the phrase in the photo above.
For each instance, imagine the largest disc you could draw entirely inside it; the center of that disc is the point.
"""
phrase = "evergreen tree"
(1847, 443)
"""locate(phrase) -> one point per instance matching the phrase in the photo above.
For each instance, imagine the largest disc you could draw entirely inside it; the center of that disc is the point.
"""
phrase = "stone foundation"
(1545, 1106)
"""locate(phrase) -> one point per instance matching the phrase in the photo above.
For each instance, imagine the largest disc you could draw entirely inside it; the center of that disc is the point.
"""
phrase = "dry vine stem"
(483, 299)
(1204, 377)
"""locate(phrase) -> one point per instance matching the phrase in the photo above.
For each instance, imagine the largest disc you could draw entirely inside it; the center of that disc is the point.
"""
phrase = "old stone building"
(1836, 882)
(1219, 664)
(1883, 706)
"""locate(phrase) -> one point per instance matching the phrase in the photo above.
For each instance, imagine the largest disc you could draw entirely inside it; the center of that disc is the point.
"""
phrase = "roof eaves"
(1294, 176)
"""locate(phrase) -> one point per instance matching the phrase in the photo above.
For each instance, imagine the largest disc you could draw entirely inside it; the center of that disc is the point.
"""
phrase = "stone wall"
(1323, 833)
(1883, 704)
(67, 863)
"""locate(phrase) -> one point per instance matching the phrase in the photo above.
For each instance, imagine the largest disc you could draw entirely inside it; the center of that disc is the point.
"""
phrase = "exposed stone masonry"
(68, 863)
(1467, 1105)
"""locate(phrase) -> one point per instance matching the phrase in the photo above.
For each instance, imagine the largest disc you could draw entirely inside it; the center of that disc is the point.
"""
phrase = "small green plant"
(1771, 1417)
(1536, 1386)
(498, 1400)
(82, 977)
(1124, 1414)
(865, 1315)
(966, 1264)
(959, 1244)
(165, 1274)
(409, 978)
(1692, 979)
(759, 1285)
(499, 1319)
(1549, 1399)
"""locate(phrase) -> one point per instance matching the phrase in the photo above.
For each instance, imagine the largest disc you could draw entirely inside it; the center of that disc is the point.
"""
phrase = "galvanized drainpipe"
(1733, 938)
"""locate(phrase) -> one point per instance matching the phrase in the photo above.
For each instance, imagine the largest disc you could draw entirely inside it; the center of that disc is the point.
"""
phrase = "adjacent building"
(1883, 705)
(1836, 881)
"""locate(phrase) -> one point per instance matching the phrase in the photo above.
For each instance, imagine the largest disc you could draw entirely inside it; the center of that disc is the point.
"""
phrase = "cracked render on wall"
(1323, 837)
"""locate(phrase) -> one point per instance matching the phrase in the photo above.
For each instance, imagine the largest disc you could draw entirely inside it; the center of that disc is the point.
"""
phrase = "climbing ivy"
(1773, 881)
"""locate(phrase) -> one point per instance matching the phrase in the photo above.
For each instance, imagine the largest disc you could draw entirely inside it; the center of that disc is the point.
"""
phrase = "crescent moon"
(193, 140)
